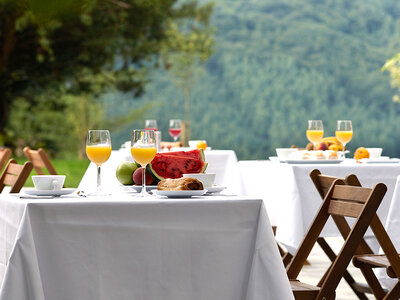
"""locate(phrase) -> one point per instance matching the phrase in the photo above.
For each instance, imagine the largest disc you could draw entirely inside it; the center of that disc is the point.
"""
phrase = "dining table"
(292, 200)
(221, 162)
(123, 246)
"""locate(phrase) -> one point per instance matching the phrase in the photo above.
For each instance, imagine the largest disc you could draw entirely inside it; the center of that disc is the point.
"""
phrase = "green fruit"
(124, 172)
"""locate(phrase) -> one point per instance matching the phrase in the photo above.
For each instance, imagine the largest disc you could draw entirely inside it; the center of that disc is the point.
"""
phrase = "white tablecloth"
(123, 247)
(393, 229)
(292, 200)
(221, 162)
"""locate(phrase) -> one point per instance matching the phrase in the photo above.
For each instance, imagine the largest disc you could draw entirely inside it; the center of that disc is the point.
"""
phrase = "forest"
(273, 65)
(278, 64)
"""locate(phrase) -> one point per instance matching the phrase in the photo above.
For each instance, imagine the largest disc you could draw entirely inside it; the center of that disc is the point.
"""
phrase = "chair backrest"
(323, 183)
(15, 175)
(5, 154)
(346, 201)
(39, 160)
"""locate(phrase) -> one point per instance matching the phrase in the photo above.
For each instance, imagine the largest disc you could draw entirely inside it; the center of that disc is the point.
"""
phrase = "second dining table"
(292, 200)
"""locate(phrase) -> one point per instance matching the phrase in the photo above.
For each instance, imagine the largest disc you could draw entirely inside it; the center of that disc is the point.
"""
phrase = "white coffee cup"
(48, 182)
(207, 179)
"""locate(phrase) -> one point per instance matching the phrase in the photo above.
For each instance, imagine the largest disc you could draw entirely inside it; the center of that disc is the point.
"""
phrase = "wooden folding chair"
(40, 160)
(5, 154)
(322, 183)
(390, 261)
(341, 200)
(15, 175)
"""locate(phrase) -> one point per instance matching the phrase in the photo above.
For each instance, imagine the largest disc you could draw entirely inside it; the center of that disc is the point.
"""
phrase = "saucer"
(63, 191)
(215, 189)
(138, 188)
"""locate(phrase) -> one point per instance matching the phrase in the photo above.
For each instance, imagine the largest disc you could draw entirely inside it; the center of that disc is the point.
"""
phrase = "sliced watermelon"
(173, 166)
(196, 154)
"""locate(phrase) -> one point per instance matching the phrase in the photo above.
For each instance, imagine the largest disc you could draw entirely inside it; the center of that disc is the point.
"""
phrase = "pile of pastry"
(319, 154)
(180, 184)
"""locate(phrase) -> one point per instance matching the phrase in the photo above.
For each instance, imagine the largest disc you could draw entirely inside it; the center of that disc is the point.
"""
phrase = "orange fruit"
(360, 153)
(202, 145)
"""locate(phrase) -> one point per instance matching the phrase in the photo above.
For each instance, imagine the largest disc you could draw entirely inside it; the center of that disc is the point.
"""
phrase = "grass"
(74, 169)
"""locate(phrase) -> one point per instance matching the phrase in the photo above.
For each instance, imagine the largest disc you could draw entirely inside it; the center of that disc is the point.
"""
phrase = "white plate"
(64, 191)
(314, 161)
(138, 188)
(380, 160)
(215, 189)
(179, 194)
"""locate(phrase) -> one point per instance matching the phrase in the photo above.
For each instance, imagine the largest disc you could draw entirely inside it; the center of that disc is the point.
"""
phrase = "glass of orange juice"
(344, 133)
(315, 131)
(98, 150)
(143, 150)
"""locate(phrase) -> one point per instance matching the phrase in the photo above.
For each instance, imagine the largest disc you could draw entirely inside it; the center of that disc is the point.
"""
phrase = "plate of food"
(184, 187)
(314, 161)
(179, 194)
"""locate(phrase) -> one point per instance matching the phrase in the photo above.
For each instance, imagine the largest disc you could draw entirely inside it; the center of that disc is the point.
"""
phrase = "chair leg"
(394, 293)
(347, 276)
(286, 256)
(373, 282)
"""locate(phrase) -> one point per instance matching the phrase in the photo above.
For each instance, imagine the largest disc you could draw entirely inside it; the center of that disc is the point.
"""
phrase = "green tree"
(75, 50)
(185, 50)
(393, 66)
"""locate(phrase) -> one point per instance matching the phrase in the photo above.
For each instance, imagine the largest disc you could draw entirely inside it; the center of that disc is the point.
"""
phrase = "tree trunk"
(186, 129)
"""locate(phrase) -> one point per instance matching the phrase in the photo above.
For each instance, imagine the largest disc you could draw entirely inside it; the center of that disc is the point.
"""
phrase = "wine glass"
(315, 131)
(344, 133)
(98, 150)
(175, 129)
(151, 125)
(143, 150)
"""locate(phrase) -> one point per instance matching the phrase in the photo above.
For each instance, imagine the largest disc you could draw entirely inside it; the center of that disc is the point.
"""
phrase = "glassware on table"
(315, 131)
(151, 125)
(175, 129)
(344, 133)
(98, 150)
(143, 150)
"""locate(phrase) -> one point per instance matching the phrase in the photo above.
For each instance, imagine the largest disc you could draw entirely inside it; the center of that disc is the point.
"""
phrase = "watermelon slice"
(196, 154)
(168, 165)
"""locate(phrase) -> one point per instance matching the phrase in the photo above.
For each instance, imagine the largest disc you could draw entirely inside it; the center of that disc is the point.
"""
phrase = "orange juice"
(315, 136)
(98, 153)
(143, 155)
(344, 136)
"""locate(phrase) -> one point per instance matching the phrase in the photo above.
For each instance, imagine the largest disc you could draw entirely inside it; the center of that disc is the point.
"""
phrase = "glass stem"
(344, 154)
(98, 180)
(144, 181)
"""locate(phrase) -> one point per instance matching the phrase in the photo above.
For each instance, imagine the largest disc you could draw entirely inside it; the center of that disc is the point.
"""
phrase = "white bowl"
(283, 153)
(374, 152)
(207, 179)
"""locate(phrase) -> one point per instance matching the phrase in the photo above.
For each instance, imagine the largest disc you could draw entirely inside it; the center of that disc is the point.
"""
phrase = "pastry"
(180, 184)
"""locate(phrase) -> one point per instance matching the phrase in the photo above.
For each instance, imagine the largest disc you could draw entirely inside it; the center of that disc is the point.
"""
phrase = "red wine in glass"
(175, 129)
(175, 132)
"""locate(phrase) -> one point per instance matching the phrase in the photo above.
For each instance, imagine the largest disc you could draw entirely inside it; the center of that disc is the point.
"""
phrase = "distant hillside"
(280, 63)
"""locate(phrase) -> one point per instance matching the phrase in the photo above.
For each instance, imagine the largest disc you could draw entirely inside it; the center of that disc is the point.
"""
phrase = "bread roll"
(180, 184)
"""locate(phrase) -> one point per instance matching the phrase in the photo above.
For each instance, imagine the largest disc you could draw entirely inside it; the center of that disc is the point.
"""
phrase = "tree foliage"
(393, 66)
(279, 63)
(58, 57)
(185, 51)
